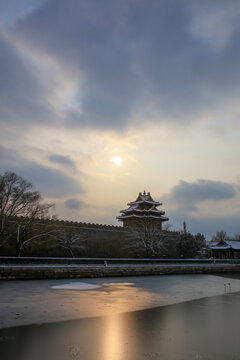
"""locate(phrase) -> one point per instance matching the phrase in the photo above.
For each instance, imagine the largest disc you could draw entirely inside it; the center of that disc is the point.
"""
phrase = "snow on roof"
(136, 209)
(226, 244)
(144, 198)
(214, 243)
(163, 218)
(131, 208)
(145, 201)
(234, 244)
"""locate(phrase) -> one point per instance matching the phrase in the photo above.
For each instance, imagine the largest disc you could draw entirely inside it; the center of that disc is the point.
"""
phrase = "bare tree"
(17, 199)
(220, 235)
(71, 239)
(29, 231)
(167, 226)
(146, 237)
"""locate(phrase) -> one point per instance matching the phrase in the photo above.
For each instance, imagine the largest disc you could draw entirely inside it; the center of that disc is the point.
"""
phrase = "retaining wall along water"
(52, 268)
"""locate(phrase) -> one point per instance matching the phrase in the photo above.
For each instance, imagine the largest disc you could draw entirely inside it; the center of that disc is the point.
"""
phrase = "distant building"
(144, 208)
(225, 249)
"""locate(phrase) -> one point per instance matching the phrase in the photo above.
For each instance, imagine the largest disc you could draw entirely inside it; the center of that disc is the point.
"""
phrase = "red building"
(144, 208)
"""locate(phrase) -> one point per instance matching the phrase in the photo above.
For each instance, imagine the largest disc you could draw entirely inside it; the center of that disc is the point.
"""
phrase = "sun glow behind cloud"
(116, 160)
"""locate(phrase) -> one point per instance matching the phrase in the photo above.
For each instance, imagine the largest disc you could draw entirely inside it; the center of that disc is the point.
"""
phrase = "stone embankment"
(63, 268)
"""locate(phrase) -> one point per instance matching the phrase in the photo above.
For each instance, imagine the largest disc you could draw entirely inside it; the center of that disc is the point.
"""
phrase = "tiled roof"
(144, 206)
(225, 244)
(163, 218)
(144, 198)
(138, 210)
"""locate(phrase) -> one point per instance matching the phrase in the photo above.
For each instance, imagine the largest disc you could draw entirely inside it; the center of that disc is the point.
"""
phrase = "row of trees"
(23, 215)
(222, 235)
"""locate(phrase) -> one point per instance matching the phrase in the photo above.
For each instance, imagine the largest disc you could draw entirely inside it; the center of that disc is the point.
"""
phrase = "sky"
(102, 99)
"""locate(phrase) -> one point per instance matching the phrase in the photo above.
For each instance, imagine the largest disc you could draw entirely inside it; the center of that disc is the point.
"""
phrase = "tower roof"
(143, 207)
(143, 197)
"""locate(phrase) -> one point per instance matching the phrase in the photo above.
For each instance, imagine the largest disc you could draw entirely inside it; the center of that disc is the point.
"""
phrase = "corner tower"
(144, 208)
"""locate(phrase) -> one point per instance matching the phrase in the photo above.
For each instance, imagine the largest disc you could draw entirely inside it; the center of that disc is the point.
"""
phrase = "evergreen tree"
(190, 246)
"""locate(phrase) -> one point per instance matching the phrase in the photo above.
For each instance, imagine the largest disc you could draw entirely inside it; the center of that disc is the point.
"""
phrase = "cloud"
(215, 23)
(190, 202)
(74, 204)
(207, 225)
(131, 61)
(187, 196)
(10, 10)
(22, 96)
(62, 160)
(8, 156)
(50, 182)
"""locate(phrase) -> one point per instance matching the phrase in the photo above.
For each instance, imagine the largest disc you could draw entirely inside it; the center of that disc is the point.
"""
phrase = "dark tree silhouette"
(20, 205)
(190, 246)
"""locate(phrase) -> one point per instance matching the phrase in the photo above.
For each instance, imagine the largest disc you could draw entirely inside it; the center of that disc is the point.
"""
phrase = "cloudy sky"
(101, 99)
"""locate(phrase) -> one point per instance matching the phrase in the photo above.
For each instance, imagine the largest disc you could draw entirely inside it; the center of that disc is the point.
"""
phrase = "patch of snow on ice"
(76, 286)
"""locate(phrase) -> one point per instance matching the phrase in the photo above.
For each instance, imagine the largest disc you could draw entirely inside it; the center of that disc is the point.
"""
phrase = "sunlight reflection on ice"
(120, 283)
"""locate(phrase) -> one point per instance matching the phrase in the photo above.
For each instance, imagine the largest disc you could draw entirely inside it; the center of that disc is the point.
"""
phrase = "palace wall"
(98, 240)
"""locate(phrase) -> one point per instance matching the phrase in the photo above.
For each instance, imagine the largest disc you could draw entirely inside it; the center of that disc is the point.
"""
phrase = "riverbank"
(46, 271)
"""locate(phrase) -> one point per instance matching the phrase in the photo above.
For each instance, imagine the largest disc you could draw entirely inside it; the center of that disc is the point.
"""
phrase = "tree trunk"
(71, 252)
(18, 252)
(2, 224)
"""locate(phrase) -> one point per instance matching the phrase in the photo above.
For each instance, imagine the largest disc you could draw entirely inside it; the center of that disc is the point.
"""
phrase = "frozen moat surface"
(42, 301)
(143, 318)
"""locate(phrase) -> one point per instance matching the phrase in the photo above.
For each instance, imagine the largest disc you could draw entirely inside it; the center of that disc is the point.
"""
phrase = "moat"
(152, 317)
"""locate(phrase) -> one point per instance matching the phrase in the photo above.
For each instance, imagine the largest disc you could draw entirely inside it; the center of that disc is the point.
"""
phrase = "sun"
(117, 160)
